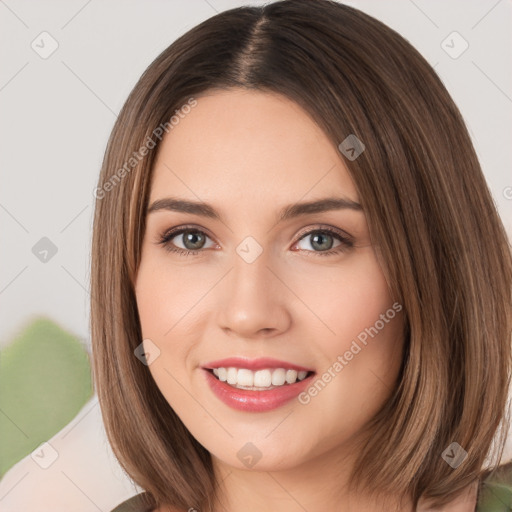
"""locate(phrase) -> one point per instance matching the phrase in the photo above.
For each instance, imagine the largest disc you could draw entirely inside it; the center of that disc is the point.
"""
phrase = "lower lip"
(255, 401)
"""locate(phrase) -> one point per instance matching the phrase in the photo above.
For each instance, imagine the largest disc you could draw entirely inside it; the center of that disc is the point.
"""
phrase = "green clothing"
(495, 494)
(134, 504)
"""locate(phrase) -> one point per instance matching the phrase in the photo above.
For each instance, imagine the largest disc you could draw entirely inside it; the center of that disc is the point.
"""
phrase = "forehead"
(249, 145)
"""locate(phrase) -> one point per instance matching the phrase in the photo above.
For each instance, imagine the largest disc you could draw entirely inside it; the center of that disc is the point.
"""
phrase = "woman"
(301, 286)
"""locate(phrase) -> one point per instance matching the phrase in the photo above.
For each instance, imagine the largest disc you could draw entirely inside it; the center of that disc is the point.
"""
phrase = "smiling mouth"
(259, 380)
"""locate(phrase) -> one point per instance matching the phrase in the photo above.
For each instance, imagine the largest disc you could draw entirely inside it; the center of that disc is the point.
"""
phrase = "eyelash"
(346, 243)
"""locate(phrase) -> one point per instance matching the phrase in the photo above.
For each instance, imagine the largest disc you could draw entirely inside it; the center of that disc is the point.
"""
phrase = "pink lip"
(254, 364)
(253, 400)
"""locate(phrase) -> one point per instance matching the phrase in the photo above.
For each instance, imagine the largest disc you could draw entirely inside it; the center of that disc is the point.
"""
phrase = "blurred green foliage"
(45, 379)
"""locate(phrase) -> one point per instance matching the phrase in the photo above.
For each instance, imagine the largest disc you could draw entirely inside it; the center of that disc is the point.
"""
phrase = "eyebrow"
(288, 212)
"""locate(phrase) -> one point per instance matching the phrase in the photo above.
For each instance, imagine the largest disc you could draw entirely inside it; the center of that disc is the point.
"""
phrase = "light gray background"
(57, 114)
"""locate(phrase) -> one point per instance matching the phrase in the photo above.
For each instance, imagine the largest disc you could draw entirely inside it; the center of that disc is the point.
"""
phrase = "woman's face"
(279, 294)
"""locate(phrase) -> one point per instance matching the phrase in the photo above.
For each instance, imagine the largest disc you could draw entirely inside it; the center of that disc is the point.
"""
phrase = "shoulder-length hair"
(431, 217)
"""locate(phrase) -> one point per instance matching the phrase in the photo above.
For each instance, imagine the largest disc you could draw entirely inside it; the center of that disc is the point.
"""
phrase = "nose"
(253, 302)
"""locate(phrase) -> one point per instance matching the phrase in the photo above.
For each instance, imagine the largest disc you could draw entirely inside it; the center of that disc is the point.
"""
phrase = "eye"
(193, 241)
(321, 241)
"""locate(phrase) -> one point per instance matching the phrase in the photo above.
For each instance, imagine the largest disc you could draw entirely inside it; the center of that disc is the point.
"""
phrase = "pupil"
(192, 237)
(315, 244)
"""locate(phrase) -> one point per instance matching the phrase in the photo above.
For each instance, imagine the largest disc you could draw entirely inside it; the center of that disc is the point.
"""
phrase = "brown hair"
(431, 218)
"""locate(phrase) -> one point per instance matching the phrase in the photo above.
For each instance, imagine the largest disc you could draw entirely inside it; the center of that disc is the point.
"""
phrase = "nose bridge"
(250, 275)
(250, 265)
(251, 301)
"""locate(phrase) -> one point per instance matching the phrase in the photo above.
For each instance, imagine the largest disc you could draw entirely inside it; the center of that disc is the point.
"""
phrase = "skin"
(249, 154)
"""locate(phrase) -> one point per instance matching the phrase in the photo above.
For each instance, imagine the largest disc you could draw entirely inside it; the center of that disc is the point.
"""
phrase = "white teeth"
(291, 376)
(245, 378)
(267, 378)
(279, 377)
(232, 375)
(262, 378)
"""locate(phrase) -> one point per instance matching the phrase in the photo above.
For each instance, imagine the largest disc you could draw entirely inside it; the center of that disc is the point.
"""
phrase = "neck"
(319, 484)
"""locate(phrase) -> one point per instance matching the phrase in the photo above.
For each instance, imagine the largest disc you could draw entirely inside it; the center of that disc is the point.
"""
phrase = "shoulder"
(495, 493)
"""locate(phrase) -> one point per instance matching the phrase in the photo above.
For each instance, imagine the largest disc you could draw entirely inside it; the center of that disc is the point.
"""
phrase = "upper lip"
(253, 364)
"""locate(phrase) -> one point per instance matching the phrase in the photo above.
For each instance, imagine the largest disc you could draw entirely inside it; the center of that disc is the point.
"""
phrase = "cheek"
(171, 316)
(360, 336)
(161, 303)
(360, 361)
(345, 300)
(167, 297)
